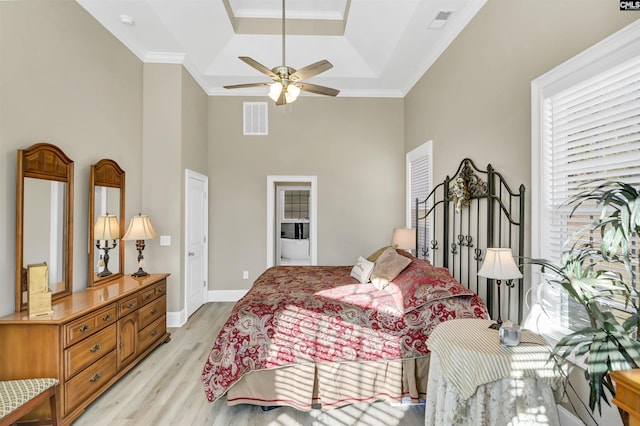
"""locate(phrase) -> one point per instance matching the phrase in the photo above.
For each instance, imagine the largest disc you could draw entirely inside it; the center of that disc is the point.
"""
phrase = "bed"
(309, 336)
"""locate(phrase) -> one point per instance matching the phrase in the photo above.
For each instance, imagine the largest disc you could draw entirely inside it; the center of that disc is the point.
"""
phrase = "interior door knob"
(191, 253)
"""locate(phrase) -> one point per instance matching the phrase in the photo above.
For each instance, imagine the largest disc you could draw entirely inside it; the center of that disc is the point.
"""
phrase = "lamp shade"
(404, 238)
(106, 228)
(140, 228)
(499, 265)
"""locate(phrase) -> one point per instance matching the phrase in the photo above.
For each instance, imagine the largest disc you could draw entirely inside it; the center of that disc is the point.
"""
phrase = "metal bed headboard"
(463, 216)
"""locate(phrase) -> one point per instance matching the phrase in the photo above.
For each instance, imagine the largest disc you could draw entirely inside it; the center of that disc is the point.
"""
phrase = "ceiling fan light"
(293, 90)
(288, 98)
(275, 89)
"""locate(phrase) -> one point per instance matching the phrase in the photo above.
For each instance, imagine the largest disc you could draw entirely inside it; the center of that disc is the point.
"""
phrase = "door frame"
(272, 181)
(190, 174)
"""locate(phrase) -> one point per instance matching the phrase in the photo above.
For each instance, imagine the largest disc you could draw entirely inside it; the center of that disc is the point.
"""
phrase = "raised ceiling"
(378, 48)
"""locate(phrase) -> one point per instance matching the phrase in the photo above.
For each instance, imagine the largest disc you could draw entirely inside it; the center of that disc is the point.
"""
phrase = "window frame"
(620, 47)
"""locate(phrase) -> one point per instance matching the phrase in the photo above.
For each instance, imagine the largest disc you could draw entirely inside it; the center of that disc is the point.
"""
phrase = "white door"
(196, 229)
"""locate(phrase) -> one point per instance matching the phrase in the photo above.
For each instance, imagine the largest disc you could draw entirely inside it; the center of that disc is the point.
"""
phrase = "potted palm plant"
(589, 275)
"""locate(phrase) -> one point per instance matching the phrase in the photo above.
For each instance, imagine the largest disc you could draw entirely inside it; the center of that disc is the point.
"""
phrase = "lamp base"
(495, 326)
(105, 273)
(140, 273)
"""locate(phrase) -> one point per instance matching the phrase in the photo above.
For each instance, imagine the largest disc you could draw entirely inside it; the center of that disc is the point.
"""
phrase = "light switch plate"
(165, 240)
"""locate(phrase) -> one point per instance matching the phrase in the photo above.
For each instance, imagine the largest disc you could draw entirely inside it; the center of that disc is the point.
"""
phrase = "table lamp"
(140, 229)
(499, 265)
(106, 229)
(404, 239)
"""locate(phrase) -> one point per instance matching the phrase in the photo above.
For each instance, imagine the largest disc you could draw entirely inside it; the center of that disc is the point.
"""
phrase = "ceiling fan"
(287, 82)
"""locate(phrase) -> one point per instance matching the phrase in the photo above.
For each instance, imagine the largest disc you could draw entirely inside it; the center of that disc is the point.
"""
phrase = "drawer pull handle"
(84, 328)
(154, 311)
(148, 296)
(154, 332)
(161, 290)
(95, 377)
(130, 305)
(95, 348)
(106, 317)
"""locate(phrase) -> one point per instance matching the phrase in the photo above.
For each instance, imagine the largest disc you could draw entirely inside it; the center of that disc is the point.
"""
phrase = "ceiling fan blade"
(241, 86)
(257, 65)
(311, 70)
(320, 90)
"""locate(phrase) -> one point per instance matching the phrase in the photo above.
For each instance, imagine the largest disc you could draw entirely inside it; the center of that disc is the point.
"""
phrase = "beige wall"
(475, 100)
(64, 80)
(353, 146)
(161, 171)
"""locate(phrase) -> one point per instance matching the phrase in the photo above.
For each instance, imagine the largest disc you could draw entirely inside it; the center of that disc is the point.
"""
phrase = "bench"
(19, 397)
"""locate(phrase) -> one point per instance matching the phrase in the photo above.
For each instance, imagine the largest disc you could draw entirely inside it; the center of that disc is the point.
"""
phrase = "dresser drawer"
(89, 324)
(89, 381)
(152, 293)
(150, 312)
(151, 333)
(89, 350)
(128, 305)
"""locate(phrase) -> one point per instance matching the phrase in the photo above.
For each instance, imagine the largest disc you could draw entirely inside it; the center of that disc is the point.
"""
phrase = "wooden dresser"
(92, 339)
(628, 394)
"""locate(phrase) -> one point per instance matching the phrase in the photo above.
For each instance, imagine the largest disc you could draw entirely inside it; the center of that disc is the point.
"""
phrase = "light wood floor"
(165, 389)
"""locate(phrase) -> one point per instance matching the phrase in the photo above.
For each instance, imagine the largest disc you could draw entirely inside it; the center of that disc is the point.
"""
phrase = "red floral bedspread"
(312, 314)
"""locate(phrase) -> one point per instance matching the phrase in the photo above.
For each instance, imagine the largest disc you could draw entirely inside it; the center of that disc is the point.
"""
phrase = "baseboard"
(225, 295)
(176, 319)
(567, 418)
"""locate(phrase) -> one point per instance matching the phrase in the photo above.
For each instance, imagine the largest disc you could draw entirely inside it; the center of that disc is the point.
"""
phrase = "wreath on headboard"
(461, 194)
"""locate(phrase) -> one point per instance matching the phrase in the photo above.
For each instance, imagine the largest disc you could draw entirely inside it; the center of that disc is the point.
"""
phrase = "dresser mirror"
(44, 219)
(106, 222)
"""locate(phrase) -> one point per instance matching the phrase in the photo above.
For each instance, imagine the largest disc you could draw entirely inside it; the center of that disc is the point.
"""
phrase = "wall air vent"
(255, 119)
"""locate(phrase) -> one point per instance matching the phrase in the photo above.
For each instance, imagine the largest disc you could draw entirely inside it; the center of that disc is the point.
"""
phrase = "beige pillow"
(388, 266)
(376, 254)
(362, 270)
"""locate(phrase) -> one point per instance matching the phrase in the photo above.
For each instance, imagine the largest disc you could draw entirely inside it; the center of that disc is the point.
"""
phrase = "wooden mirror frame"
(47, 162)
(105, 173)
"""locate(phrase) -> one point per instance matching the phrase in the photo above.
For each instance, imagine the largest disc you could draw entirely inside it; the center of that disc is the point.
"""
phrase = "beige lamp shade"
(499, 265)
(140, 228)
(106, 228)
(404, 238)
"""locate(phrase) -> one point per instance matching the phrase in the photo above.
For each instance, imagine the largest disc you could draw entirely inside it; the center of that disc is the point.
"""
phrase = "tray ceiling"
(378, 48)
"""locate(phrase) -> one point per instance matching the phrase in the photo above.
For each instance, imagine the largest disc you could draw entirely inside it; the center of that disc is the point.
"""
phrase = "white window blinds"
(591, 133)
(419, 176)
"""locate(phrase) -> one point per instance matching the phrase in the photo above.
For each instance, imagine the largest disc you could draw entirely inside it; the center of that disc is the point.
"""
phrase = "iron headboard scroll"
(461, 217)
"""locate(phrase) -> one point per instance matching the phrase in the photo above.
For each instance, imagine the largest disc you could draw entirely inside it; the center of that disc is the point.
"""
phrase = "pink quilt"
(314, 314)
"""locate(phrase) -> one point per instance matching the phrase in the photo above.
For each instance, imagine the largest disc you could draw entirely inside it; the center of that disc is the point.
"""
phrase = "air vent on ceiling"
(255, 118)
(441, 19)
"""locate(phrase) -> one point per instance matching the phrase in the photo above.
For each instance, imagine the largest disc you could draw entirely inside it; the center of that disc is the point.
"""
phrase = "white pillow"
(362, 270)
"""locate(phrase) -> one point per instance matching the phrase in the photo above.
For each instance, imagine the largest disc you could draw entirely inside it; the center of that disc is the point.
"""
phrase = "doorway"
(292, 220)
(292, 225)
(196, 245)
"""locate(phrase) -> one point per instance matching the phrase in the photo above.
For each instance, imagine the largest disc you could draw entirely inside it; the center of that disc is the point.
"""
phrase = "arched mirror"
(44, 219)
(106, 222)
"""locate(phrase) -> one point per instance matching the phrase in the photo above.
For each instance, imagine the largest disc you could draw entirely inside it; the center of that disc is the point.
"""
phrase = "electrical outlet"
(245, 275)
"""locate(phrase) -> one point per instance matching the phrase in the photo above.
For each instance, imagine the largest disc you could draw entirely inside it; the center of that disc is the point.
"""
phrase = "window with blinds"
(419, 177)
(589, 132)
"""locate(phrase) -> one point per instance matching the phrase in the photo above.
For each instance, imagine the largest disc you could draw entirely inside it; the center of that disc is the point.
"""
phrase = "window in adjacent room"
(586, 127)
(419, 182)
